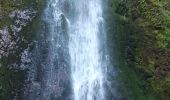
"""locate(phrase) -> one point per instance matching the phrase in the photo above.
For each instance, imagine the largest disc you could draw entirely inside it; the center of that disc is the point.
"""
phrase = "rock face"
(6, 43)
(20, 19)
(16, 36)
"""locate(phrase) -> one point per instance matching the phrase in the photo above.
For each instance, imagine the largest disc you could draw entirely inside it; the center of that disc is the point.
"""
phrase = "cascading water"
(69, 53)
(84, 49)
(50, 72)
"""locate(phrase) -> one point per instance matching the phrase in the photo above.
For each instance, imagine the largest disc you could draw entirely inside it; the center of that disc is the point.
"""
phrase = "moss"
(10, 5)
(12, 80)
(147, 42)
(124, 35)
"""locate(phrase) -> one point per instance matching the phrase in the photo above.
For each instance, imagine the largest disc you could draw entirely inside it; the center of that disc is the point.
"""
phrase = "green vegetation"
(145, 46)
(11, 83)
(141, 34)
(12, 80)
(10, 5)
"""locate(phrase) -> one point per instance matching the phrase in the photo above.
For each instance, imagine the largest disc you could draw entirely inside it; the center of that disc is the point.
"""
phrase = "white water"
(49, 75)
(72, 42)
(84, 49)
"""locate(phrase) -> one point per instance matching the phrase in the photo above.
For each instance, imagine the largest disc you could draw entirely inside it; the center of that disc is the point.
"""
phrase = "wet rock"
(21, 18)
(6, 44)
(25, 59)
(9, 39)
(27, 14)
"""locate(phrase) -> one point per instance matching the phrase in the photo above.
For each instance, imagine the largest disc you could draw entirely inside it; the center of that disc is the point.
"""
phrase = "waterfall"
(68, 62)
(49, 75)
(84, 49)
